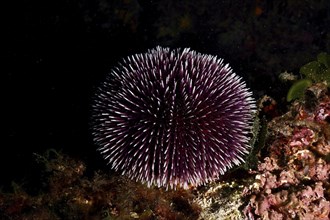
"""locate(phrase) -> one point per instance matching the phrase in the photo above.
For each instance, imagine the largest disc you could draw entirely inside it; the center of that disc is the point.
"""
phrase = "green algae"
(318, 70)
(313, 72)
(297, 90)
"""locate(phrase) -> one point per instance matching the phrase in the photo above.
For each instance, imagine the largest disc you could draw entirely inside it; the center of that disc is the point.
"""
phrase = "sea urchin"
(173, 117)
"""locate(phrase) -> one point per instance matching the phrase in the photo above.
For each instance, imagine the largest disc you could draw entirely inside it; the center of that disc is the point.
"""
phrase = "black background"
(55, 53)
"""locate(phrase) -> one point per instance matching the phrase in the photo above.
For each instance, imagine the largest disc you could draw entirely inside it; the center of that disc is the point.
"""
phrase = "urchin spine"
(172, 117)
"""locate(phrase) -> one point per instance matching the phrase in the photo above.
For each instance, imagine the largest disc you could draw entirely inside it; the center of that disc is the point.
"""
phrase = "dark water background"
(55, 53)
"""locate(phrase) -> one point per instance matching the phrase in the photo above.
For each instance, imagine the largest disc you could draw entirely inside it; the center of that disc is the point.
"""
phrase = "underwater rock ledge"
(291, 181)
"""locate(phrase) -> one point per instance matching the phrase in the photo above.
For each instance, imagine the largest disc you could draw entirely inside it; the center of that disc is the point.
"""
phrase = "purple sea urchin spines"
(173, 117)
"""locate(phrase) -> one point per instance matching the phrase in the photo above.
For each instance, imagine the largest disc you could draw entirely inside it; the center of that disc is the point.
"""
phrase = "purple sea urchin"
(173, 117)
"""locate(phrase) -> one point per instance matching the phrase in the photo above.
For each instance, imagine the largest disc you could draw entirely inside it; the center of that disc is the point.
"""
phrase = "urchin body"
(173, 117)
